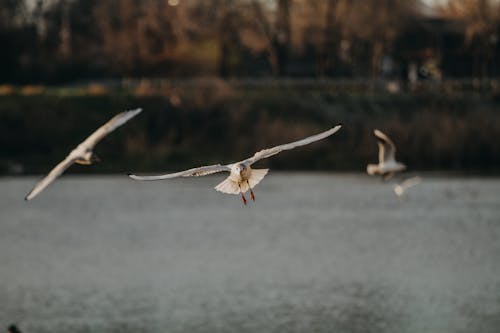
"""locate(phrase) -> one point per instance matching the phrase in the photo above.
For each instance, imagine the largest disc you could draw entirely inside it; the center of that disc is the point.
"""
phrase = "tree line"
(51, 41)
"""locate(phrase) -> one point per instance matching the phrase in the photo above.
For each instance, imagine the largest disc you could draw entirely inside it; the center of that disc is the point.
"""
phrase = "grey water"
(315, 253)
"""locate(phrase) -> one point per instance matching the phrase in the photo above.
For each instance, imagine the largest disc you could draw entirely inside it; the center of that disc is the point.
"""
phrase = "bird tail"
(228, 186)
(372, 169)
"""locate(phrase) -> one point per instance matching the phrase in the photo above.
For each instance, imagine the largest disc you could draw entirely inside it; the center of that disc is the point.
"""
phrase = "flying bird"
(83, 153)
(242, 177)
(387, 165)
(401, 188)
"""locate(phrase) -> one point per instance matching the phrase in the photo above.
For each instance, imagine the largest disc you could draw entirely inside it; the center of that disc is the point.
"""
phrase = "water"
(315, 253)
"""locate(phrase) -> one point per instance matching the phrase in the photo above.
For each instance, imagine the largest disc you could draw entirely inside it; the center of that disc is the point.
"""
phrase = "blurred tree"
(57, 40)
(16, 38)
(331, 39)
(375, 23)
(482, 29)
(316, 29)
(118, 23)
(65, 30)
(278, 36)
(12, 13)
(225, 30)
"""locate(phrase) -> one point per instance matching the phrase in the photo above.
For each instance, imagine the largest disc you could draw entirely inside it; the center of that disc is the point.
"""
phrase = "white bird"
(83, 153)
(387, 165)
(401, 188)
(242, 177)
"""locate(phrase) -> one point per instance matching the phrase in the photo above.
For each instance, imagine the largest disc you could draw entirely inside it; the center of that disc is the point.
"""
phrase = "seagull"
(242, 177)
(83, 153)
(387, 165)
(401, 188)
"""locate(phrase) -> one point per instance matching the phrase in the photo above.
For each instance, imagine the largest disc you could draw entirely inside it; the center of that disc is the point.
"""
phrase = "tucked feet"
(243, 199)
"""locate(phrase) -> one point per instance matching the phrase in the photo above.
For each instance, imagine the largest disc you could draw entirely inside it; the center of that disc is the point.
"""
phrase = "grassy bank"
(189, 125)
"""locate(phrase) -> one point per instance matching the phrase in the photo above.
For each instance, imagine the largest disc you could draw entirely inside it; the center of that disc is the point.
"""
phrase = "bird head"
(240, 168)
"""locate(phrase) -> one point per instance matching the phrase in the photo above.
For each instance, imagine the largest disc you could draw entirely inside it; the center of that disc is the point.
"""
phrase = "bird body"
(385, 168)
(83, 154)
(387, 165)
(242, 177)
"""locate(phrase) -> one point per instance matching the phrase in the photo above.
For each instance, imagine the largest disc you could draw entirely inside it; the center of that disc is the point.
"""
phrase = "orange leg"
(251, 192)
(243, 196)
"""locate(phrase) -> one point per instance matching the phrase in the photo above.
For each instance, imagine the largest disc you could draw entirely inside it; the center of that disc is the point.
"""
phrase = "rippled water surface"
(315, 253)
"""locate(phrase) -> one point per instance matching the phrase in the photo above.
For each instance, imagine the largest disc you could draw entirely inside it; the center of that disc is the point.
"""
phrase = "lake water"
(314, 253)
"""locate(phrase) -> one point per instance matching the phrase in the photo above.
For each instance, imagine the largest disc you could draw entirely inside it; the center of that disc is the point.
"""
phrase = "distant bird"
(13, 329)
(387, 165)
(401, 188)
(242, 177)
(83, 153)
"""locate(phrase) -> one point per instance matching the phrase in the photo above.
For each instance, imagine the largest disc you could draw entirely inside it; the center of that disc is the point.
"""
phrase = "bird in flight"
(83, 153)
(242, 177)
(387, 165)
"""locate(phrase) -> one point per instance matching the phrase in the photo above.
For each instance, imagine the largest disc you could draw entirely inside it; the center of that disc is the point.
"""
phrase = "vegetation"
(192, 124)
(66, 40)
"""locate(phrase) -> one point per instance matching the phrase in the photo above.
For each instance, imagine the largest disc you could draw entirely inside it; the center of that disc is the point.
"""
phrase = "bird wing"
(407, 183)
(109, 127)
(53, 174)
(386, 148)
(275, 150)
(195, 172)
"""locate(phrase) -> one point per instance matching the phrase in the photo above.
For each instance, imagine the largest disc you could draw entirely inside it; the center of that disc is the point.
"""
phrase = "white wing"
(56, 172)
(195, 172)
(386, 148)
(89, 143)
(109, 127)
(410, 182)
(275, 150)
(401, 188)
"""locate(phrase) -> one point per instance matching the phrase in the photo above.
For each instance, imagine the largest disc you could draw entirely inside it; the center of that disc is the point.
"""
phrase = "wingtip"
(335, 129)
(133, 112)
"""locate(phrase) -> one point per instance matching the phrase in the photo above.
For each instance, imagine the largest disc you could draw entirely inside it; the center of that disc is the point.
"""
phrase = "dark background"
(220, 79)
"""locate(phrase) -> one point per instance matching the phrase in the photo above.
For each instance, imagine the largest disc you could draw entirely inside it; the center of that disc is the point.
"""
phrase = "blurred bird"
(242, 177)
(401, 188)
(387, 165)
(83, 153)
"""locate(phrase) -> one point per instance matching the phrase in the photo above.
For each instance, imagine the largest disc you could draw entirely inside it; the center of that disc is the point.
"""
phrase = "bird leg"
(242, 196)
(387, 176)
(251, 192)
